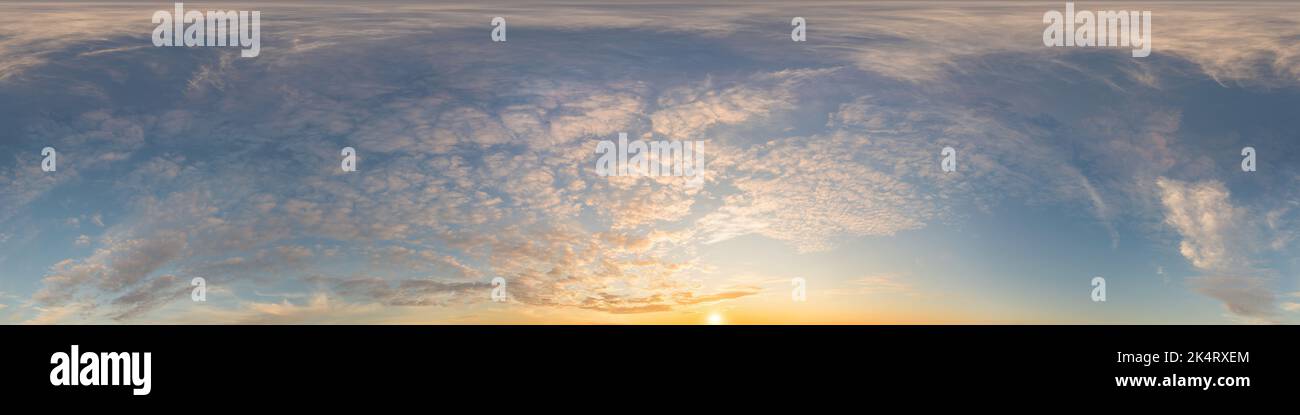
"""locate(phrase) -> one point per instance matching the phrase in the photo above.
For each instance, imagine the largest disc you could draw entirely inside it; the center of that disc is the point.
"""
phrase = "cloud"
(266, 261)
(899, 42)
(56, 314)
(32, 34)
(1208, 222)
(580, 113)
(809, 191)
(408, 258)
(616, 304)
(929, 45)
(121, 271)
(320, 309)
(148, 296)
(411, 292)
(880, 284)
(1215, 239)
(24, 183)
(686, 113)
(1244, 296)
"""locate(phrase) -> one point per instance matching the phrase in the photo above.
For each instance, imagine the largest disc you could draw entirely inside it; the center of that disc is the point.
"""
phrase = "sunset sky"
(476, 160)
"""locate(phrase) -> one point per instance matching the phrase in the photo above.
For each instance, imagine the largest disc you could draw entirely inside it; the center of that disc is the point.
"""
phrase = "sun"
(715, 319)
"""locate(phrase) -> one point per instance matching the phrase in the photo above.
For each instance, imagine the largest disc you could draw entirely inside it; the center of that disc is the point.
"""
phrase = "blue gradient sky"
(477, 161)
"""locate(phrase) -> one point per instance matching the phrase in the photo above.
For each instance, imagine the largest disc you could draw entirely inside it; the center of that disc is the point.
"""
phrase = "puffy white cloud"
(1217, 239)
(1211, 227)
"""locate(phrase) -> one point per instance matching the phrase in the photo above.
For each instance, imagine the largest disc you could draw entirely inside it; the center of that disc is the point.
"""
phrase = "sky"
(477, 160)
